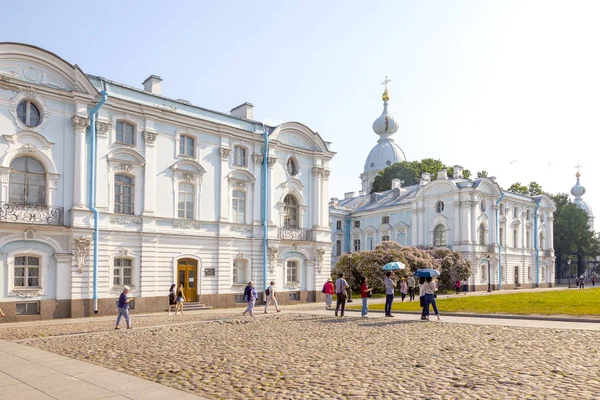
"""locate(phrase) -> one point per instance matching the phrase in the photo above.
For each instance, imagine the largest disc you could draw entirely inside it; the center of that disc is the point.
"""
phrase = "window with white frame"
(501, 209)
(186, 145)
(481, 234)
(357, 224)
(124, 189)
(239, 271)
(338, 247)
(291, 212)
(29, 113)
(515, 212)
(27, 272)
(239, 156)
(528, 215)
(483, 272)
(370, 242)
(125, 133)
(439, 207)
(185, 202)
(385, 219)
(385, 238)
(439, 235)
(483, 206)
(292, 272)
(338, 225)
(122, 271)
(292, 168)
(239, 206)
(356, 244)
(515, 235)
(27, 182)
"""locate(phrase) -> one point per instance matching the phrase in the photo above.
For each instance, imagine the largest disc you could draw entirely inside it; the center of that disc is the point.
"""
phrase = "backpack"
(268, 291)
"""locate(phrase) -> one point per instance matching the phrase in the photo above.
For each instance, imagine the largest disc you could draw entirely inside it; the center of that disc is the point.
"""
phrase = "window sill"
(27, 292)
(186, 157)
(126, 144)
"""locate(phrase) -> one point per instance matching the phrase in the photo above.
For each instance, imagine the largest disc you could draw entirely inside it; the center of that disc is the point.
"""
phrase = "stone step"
(193, 306)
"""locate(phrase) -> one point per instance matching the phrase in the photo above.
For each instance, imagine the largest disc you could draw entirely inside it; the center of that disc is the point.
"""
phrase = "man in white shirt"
(340, 291)
(389, 293)
(411, 288)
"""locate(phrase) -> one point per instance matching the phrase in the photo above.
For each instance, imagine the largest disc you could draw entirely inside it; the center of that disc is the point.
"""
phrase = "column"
(4, 183)
(80, 125)
(149, 174)
(270, 192)
(550, 233)
(473, 205)
(493, 228)
(325, 199)
(102, 199)
(466, 222)
(457, 222)
(316, 206)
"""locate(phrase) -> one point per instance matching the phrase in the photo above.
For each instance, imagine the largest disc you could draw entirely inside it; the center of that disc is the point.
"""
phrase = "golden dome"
(386, 95)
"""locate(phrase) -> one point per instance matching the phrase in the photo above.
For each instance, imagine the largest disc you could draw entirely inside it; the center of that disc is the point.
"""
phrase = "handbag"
(369, 295)
(422, 301)
(435, 295)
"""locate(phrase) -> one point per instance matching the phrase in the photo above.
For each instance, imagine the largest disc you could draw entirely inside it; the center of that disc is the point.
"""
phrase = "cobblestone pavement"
(296, 356)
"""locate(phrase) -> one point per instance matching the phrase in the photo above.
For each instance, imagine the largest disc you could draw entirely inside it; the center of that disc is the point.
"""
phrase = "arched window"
(292, 168)
(185, 203)
(27, 182)
(439, 236)
(239, 271)
(481, 234)
(371, 242)
(125, 133)
(239, 206)
(290, 210)
(28, 113)
(124, 186)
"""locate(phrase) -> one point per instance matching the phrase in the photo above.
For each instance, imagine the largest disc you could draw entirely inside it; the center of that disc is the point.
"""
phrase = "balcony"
(26, 214)
(292, 233)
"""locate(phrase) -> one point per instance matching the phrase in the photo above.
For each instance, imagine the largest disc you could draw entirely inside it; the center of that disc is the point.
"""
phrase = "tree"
(571, 230)
(452, 265)
(410, 173)
(518, 188)
(482, 174)
(535, 189)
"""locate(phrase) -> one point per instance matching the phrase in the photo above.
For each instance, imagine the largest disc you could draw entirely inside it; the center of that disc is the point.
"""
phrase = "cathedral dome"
(384, 154)
(578, 190)
(385, 126)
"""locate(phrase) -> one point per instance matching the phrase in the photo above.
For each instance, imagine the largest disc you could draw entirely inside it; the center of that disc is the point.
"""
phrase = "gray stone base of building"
(52, 309)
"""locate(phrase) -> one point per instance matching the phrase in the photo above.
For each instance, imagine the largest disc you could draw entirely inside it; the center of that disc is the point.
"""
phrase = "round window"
(388, 162)
(28, 113)
(541, 217)
(292, 168)
(372, 164)
(439, 207)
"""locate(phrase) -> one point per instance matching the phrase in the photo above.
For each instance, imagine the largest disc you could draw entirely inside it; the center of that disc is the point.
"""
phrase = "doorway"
(187, 273)
(517, 277)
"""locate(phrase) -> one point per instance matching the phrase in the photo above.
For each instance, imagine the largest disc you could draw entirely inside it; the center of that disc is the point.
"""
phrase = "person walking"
(577, 282)
(389, 284)
(430, 288)
(457, 286)
(329, 290)
(411, 288)
(340, 291)
(2, 313)
(364, 295)
(250, 296)
(123, 308)
(593, 280)
(270, 293)
(465, 287)
(172, 298)
(581, 282)
(403, 288)
(179, 300)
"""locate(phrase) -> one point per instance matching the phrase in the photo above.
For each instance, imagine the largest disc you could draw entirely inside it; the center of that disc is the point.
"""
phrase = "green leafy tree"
(518, 188)
(571, 231)
(535, 189)
(482, 174)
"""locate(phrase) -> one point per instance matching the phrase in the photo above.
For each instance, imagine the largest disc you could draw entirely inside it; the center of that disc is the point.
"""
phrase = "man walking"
(123, 307)
(389, 293)
(411, 288)
(270, 293)
(340, 290)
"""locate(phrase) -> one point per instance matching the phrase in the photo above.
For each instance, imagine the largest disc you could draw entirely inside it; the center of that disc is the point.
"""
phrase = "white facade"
(178, 190)
(475, 218)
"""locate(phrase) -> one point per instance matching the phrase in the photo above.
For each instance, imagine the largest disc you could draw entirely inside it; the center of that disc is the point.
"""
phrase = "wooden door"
(187, 275)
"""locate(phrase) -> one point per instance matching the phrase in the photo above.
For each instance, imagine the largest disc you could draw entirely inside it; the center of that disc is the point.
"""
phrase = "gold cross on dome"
(386, 81)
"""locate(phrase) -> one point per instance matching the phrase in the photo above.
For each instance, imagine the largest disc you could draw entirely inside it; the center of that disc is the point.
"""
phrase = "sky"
(510, 87)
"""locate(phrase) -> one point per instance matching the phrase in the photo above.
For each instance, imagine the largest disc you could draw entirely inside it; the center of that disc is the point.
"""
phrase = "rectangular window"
(338, 247)
(370, 242)
(27, 271)
(239, 298)
(528, 240)
(338, 225)
(239, 156)
(294, 296)
(385, 220)
(357, 224)
(124, 188)
(292, 271)
(185, 203)
(385, 238)
(356, 244)
(122, 268)
(239, 271)
(125, 133)
(30, 308)
(239, 207)
(501, 209)
(186, 146)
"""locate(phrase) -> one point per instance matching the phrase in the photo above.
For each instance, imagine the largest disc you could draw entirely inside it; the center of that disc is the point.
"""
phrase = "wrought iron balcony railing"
(292, 233)
(26, 214)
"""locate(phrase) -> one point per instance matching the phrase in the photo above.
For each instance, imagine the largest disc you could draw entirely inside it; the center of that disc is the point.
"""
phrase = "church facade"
(506, 236)
(103, 185)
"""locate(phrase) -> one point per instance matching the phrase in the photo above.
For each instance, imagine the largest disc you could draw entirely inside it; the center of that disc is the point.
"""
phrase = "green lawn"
(562, 302)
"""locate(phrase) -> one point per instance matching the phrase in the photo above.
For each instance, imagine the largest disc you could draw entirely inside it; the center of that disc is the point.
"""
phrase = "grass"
(577, 302)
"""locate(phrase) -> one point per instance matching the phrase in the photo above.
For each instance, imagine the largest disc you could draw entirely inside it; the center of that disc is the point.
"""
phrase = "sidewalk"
(29, 373)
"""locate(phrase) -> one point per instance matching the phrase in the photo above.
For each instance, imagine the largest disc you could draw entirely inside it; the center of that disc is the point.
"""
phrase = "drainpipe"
(498, 241)
(535, 243)
(347, 244)
(92, 191)
(265, 189)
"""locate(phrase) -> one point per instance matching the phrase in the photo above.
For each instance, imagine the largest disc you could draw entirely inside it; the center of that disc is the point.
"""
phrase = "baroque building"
(104, 185)
(506, 236)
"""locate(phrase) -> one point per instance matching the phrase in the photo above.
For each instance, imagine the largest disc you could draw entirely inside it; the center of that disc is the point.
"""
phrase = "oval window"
(28, 113)
(439, 207)
(483, 206)
(292, 168)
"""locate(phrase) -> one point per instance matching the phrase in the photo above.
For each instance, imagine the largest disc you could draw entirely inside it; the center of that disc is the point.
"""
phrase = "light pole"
(489, 275)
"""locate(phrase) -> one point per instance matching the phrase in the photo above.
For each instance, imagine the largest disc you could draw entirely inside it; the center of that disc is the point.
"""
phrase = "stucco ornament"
(272, 254)
(81, 250)
(320, 254)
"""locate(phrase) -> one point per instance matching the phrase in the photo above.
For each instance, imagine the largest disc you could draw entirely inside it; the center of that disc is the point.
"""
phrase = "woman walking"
(250, 296)
(270, 295)
(422, 299)
(457, 286)
(364, 295)
(172, 298)
(180, 300)
(389, 284)
(328, 290)
(430, 289)
(123, 307)
(403, 288)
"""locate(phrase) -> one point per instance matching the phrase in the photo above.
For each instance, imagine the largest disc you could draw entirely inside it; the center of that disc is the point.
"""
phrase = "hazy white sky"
(477, 83)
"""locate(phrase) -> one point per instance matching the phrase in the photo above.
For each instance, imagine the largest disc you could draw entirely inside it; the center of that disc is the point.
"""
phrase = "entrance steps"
(195, 306)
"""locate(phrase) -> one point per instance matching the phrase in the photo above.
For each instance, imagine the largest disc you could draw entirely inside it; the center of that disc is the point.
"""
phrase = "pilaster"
(80, 125)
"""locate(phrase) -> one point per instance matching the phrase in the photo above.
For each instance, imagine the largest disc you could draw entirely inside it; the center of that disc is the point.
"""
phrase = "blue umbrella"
(394, 266)
(426, 272)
